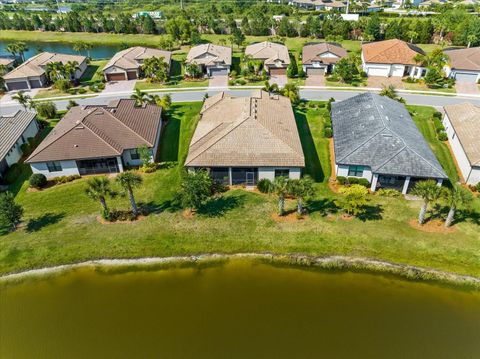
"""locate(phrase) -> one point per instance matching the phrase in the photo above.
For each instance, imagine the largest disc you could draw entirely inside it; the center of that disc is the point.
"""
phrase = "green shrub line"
(329, 263)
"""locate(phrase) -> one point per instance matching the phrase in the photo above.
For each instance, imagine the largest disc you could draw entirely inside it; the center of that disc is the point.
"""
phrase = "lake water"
(97, 52)
(240, 309)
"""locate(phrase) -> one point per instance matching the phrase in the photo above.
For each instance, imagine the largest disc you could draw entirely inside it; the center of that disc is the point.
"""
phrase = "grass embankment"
(60, 223)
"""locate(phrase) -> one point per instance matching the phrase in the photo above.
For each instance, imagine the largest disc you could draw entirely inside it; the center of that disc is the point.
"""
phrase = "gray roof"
(376, 131)
(11, 128)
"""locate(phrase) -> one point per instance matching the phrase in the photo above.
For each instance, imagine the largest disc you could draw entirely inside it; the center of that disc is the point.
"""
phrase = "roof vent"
(75, 146)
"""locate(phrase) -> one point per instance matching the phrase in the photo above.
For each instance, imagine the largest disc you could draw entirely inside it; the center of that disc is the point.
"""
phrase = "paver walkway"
(119, 86)
(467, 88)
(315, 80)
(280, 80)
(218, 81)
(380, 81)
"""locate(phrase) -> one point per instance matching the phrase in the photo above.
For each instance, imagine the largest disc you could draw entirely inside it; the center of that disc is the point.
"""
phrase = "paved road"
(308, 94)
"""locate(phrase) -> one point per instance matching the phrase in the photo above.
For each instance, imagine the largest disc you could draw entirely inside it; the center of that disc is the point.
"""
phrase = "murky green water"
(236, 310)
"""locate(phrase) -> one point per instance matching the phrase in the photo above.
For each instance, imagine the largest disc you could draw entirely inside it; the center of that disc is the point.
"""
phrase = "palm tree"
(22, 99)
(128, 181)
(88, 46)
(429, 191)
(3, 69)
(99, 189)
(12, 48)
(54, 70)
(70, 68)
(18, 47)
(301, 189)
(140, 97)
(280, 185)
(78, 46)
(455, 198)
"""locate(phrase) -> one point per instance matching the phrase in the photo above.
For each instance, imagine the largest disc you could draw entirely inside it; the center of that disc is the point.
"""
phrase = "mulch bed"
(433, 226)
(289, 217)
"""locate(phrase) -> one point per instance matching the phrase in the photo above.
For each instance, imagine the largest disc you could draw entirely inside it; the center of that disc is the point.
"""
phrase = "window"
(54, 166)
(355, 171)
(282, 173)
(134, 155)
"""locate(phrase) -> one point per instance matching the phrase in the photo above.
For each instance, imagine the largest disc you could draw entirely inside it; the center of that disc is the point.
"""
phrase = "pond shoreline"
(332, 263)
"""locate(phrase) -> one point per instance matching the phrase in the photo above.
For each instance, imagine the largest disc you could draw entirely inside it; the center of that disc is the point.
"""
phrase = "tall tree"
(22, 99)
(429, 192)
(10, 212)
(455, 198)
(195, 189)
(128, 181)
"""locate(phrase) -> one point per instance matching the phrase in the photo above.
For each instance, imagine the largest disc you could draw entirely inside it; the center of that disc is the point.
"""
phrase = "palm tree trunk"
(450, 216)
(300, 205)
(132, 202)
(423, 212)
(104, 204)
(281, 205)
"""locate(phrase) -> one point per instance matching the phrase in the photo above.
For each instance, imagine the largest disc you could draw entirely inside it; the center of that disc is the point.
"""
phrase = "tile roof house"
(98, 139)
(125, 65)
(319, 59)
(15, 130)
(462, 124)
(275, 56)
(464, 64)
(375, 138)
(391, 58)
(31, 74)
(241, 140)
(214, 59)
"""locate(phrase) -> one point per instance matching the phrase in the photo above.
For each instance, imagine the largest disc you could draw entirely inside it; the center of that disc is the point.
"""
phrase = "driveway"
(467, 88)
(315, 80)
(280, 80)
(218, 81)
(119, 86)
(380, 81)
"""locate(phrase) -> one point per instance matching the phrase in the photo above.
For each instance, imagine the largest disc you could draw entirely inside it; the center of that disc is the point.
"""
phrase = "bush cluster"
(64, 179)
(439, 128)
(327, 129)
(265, 185)
(389, 192)
(37, 180)
(346, 181)
(46, 109)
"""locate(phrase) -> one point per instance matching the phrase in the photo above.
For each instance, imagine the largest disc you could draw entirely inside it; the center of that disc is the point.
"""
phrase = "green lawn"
(422, 87)
(60, 223)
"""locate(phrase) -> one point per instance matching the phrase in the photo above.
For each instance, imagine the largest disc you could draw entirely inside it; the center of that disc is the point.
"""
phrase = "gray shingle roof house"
(15, 130)
(243, 139)
(98, 139)
(375, 138)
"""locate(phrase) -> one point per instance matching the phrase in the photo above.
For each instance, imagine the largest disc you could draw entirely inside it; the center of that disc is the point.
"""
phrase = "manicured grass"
(422, 87)
(60, 223)
(423, 118)
(144, 85)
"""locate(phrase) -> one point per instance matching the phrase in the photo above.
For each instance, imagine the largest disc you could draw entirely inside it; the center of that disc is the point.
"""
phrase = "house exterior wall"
(69, 168)
(219, 66)
(83, 66)
(451, 73)
(42, 79)
(390, 70)
(269, 172)
(342, 170)
(470, 176)
(15, 153)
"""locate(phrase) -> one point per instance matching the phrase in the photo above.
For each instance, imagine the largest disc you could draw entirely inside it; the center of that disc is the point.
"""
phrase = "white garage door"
(219, 72)
(378, 71)
(466, 77)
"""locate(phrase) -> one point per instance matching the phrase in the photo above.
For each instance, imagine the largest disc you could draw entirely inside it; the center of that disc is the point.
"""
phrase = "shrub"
(218, 187)
(233, 74)
(354, 199)
(37, 180)
(437, 114)
(82, 90)
(64, 179)
(241, 82)
(265, 185)
(71, 103)
(361, 181)
(231, 82)
(47, 109)
(478, 187)
(329, 104)
(72, 91)
(341, 180)
(442, 136)
(327, 132)
(388, 192)
(62, 85)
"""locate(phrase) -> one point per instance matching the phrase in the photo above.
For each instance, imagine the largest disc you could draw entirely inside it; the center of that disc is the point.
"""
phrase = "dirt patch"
(434, 226)
(289, 217)
(187, 213)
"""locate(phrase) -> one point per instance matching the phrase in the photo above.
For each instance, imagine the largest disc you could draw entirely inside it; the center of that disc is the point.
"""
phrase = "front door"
(250, 178)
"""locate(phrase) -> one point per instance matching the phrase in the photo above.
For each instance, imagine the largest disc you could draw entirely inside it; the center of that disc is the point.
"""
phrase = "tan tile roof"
(11, 128)
(465, 119)
(390, 52)
(270, 52)
(6, 61)
(465, 59)
(33, 66)
(100, 131)
(127, 59)
(210, 54)
(246, 131)
(312, 53)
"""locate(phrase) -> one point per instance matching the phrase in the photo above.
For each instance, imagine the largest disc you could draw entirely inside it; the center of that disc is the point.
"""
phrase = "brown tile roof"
(270, 52)
(246, 131)
(210, 54)
(465, 59)
(390, 52)
(11, 128)
(100, 131)
(128, 58)
(465, 119)
(33, 66)
(312, 53)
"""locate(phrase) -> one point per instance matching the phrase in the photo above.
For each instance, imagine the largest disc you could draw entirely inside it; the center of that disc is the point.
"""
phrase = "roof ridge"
(108, 144)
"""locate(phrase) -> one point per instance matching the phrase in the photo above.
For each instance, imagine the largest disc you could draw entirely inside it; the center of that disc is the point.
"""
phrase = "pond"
(97, 51)
(238, 309)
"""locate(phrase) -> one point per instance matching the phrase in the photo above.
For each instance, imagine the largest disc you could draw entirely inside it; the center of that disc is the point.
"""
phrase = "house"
(391, 58)
(15, 130)
(98, 139)
(335, 6)
(125, 65)
(153, 14)
(319, 59)
(31, 74)
(375, 138)
(214, 59)
(462, 123)
(464, 64)
(275, 56)
(8, 62)
(241, 140)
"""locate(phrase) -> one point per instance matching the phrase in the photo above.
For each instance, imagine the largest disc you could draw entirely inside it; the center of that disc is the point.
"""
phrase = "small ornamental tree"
(128, 181)
(195, 189)
(145, 155)
(301, 189)
(98, 189)
(292, 69)
(10, 212)
(429, 192)
(46, 109)
(280, 187)
(193, 70)
(354, 199)
(455, 198)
